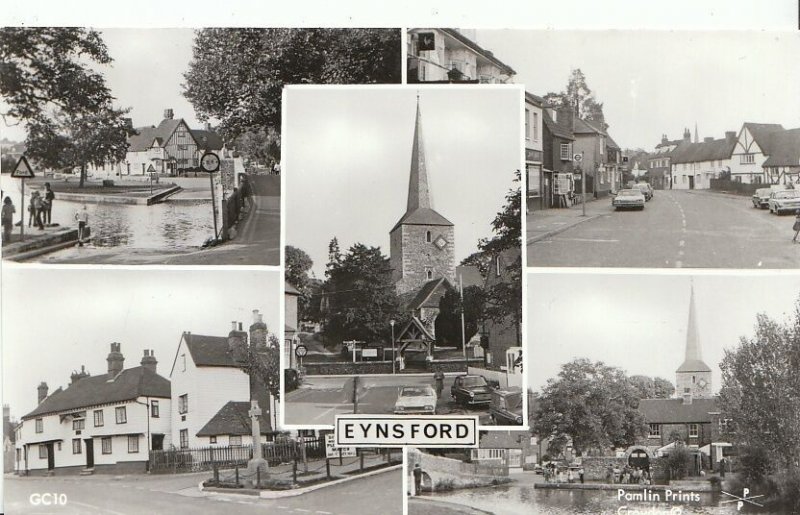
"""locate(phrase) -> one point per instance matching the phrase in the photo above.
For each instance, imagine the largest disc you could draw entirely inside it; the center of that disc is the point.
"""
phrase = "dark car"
(470, 390)
(646, 190)
(506, 407)
(761, 198)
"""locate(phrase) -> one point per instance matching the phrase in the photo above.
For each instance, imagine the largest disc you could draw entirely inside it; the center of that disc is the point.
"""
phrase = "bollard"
(216, 473)
(237, 475)
(328, 467)
(361, 454)
(294, 470)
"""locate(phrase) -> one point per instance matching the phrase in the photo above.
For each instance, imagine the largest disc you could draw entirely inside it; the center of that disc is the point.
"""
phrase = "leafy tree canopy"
(448, 323)
(580, 97)
(652, 387)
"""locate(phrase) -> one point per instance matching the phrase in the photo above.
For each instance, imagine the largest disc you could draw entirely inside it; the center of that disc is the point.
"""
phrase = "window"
(76, 446)
(154, 409)
(535, 126)
(534, 178)
(106, 444)
(78, 424)
(427, 236)
(39, 425)
(184, 438)
(58, 446)
(133, 444)
(183, 403)
(98, 418)
(694, 430)
(565, 152)
(235, 441)
(183, 362)
(42, 452)
(122, 415)
(212, 439)
(306, 433)
(602, 145)
(655, 430)
(429, 274)
(527, 124)
(747, 159)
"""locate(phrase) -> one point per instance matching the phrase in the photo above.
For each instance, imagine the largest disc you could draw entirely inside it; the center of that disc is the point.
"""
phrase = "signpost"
(22, 171)
(332, 451)
(300, 351)
(151, 173)
(210, 163)
(578, 158)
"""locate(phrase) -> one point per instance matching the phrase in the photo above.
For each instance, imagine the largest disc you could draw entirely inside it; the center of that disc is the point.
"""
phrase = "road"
(677, 229)
(320, 399)
(130, 495)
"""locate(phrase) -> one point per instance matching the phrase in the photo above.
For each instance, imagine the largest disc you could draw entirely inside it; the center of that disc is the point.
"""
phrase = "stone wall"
(348, 368)
(411, 255)
(453, 365)
(596, 467)
(448, 473)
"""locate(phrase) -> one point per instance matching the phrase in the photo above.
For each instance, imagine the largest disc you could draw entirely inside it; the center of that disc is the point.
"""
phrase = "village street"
(319, 399)
(677, 229)
(129, 495)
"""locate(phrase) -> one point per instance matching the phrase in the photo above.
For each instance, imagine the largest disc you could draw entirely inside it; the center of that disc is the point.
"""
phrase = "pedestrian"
(796, 226)
(49, 197)
(82, 217)
(438, 381)
(570, 476)
(721, 462)
(402, 361)
(247, 192)
(31, 209)
(580, 474)
(417, 479)
(8, 219)
(37, 204)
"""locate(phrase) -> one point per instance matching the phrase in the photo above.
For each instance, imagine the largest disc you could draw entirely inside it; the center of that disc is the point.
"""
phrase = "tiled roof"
(784, 148)
(611, 143)
(97, 390)
(422, 216)
(234, 419)
(534, 99)
(586, 127)
(425, 293)
(666, 411)
(693, 365)
(142, 139)
(209, 351)
(761, 134)
(470, 275)
(479, 50)
(207, 140)
(504, 440)
(717, 149)
(555, 128)
(288, 288)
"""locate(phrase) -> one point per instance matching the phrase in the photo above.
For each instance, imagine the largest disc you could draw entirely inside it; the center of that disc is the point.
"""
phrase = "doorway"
(51, 457)
(158, 442)
(691, 182)
(639, 459)
(89, 453)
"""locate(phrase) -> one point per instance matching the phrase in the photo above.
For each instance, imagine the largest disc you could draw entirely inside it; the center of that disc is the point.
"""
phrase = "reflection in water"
(166, 226)
(523, 499)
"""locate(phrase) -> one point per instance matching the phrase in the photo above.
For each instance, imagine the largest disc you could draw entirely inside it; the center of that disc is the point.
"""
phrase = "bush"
(678, 462)
(754, 464)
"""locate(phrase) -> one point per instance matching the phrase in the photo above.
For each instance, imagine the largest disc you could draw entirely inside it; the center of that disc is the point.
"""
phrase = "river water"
(523, 499)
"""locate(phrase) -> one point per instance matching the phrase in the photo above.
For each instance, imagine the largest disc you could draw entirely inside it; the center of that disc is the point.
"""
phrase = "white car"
(783, 201)
(629, 199)
(415, 400)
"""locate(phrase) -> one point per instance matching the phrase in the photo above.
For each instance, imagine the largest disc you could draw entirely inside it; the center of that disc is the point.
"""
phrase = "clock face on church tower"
(702, 384)
(440, 242)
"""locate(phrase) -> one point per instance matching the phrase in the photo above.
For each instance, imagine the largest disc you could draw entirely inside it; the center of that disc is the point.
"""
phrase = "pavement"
(428, 506)
(677, 229)
(319, 399)
(148, 494)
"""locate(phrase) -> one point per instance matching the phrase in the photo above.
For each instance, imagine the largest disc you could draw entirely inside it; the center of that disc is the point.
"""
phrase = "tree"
(237, 75)
(46, 68)
(662, 388)
(760, 392)
(259, 145)
(678, 461)
(448, 323)
(334, 256)
(480, 260)
(264, 365)
(593, 404)
(298, 263)
(362, 297)
(579, 97)
(70, 140)
(652, 387)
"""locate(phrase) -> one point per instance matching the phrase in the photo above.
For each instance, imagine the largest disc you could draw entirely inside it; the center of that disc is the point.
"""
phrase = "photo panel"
(403, 253)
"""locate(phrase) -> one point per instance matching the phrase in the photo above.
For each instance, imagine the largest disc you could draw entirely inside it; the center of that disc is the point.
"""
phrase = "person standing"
(796, 226)
(580, 474)
(49, 197)
(82, 217)
(38, 205)
(417, 479)
(8, 219)
(438, 381)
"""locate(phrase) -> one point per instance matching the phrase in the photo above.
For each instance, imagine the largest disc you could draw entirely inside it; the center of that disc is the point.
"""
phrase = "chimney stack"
(730, 136)
(687, 135)
(42, 390)
(168, 114)
(208, 126)
(237, 342)
(687, 398)
(115, 360)
(664, 139)
(566, 118)
(77, 376)
(258, 331)
(149, 360)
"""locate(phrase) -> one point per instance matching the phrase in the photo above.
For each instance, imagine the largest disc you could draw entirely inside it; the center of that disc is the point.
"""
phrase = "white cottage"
(693, 165)
(751, 150)
(105, 423)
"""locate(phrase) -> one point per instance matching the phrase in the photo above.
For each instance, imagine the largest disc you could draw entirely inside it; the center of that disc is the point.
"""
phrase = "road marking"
(302, 510)
(325, 512)
(590, 240)
(681, 243)
(104, 509)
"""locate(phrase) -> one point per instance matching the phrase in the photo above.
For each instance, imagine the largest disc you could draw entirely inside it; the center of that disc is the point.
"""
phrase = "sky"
(347, 155)
(54, 319)
(146, 75)
(657, 82)
(638, 322)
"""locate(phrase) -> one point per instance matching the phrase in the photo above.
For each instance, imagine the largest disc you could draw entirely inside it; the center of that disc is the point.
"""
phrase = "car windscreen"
(787, 194)
(474, 381)
(630, 193)
(416, 392)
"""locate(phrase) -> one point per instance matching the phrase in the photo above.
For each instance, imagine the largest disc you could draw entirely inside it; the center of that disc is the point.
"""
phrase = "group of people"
(628, 475)
(553, 474)
(40, 211)
(40, 208)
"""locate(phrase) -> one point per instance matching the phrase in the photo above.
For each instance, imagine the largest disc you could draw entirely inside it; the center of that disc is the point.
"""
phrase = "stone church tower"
(693, 376)
(421, 243)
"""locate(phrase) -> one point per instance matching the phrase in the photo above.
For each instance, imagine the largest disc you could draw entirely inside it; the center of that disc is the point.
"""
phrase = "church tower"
(693, 376)
(422, 241)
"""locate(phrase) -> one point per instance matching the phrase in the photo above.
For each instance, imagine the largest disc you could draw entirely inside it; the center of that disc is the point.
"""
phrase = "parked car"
(417, 399)
(470, 390)
(761, 198)
(506, 407)
(783, 201)
(646, 190)
(629, 199)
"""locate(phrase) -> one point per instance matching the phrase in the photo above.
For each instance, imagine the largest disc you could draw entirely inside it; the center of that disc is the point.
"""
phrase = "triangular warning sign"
(23, 170)
(150, 169)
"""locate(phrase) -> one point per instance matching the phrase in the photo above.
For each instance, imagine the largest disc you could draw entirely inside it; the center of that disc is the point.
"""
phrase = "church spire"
(693, 360)
(418, 192)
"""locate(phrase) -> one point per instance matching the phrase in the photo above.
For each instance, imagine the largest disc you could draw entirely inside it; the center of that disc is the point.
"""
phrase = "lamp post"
(391, 323)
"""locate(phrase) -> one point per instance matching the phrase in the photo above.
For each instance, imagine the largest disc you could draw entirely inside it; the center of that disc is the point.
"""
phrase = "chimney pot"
(42, 391)
(115, 359)
(233, 325)
(149, 360)
(168, 113)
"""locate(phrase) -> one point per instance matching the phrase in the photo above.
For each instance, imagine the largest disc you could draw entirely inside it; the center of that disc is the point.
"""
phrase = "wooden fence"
(205, 458)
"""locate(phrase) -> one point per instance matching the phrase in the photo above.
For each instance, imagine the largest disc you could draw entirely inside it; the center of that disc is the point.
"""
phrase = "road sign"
(23, 170)
(577, 158)
(209, 162)
(151, 169)
(301, 351)
(332, 451)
